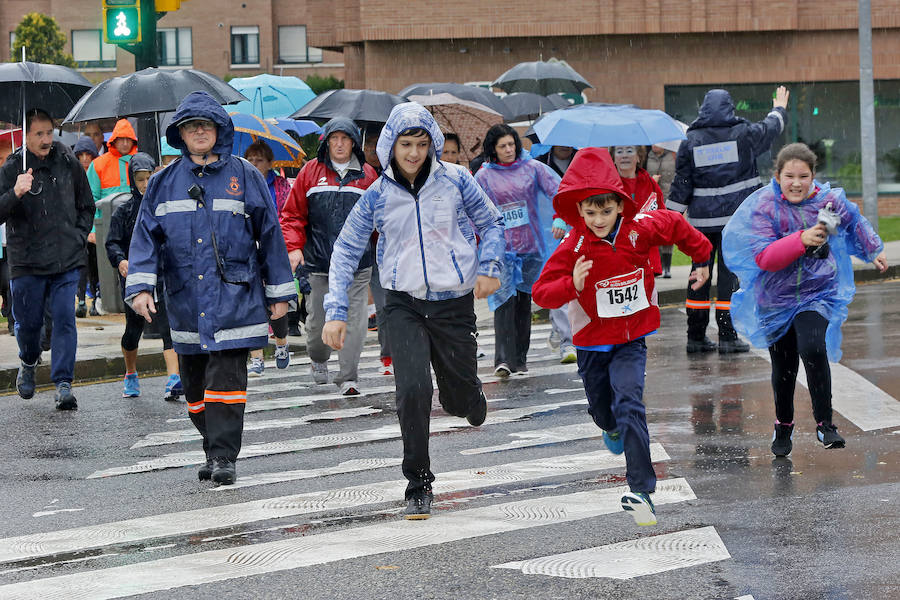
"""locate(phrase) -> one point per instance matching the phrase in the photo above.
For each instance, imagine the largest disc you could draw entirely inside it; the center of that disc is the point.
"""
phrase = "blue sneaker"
(613, 441)
(256, 368)
(173, 388)
(132, 387)
(640, 506)
(282, 357)
(25, 381)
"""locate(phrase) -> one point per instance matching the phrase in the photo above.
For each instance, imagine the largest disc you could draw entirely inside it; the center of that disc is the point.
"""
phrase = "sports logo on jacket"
(234, 187)
(632, 237)
(322, 181)
(650, 204)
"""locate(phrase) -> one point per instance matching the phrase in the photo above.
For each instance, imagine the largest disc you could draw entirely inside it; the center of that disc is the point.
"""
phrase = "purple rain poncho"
(764, 307)
(523, 191)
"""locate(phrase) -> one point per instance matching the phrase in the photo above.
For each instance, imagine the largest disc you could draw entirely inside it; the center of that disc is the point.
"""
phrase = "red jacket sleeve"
(781, 253)
(295, 212)
(554, 288)
(665, 227)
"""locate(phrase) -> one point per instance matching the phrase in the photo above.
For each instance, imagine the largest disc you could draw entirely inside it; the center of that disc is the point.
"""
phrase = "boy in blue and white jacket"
(428, 260)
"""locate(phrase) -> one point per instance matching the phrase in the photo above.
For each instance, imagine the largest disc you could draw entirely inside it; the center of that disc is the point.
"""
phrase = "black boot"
(704, 345)
(223, 472)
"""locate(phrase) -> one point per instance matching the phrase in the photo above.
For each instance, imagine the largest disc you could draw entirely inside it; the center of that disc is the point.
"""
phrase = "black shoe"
(81, 310)
(733, 346)
(418, 507)
(373, 323)
(781, 439)
(223, 471)
(479, 413)
(25, 381)
(704, 345)
(64, 398)
(828, 435)
(204, 473)
(94, 312)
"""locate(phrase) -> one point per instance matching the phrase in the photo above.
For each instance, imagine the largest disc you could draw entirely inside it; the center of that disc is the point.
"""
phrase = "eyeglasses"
(193, 126)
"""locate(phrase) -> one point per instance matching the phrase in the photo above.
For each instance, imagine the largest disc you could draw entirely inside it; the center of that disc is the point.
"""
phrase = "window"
(90, 51)
(173, 47)
(245, 45)
(823, 115)
(292, 46)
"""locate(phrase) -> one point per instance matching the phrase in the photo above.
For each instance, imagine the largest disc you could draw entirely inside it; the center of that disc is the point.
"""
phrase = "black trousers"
(805, 341)
(698, 302)
(134, 326)
(425, 334)
(215, 387)
(512, 332)
(89, 275)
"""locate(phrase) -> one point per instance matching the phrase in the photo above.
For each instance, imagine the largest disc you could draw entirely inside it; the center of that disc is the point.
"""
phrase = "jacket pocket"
(176, 278)
(456, 266)
(237, 272)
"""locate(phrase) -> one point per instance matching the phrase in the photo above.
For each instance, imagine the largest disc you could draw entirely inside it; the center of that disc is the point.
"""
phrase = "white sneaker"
(568, 355)
(349, 388)
(319, 372)
(502, 371)
(282, 357)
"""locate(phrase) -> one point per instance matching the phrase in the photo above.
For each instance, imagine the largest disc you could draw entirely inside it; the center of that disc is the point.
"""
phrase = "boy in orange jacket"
(602, 271)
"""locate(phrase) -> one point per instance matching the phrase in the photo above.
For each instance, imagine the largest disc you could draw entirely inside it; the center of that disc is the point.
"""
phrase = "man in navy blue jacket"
(714, 171)
(207, 222)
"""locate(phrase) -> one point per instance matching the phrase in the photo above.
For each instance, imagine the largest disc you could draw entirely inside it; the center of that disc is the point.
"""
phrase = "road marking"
(857, 399)
(303, 551)
(347, 466)
(47, 513)
(230, 515)
(385, 432)
(543, 437)
(630, 559)
(254, 405)
(161, 438)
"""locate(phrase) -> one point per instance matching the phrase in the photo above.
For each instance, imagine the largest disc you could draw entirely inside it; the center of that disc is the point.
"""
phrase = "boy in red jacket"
(602, 271)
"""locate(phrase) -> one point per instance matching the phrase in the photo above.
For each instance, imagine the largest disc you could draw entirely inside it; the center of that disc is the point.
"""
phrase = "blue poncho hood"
(201, 105)
(409, 115)
(717, 110)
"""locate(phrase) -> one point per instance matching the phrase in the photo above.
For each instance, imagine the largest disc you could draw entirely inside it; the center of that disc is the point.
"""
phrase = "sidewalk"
(99, 354)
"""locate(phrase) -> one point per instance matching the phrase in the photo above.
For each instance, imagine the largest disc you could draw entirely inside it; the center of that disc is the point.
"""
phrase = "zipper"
(419, 226)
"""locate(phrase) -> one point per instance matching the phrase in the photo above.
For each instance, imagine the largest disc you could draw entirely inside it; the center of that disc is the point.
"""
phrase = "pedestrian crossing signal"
(122, 21)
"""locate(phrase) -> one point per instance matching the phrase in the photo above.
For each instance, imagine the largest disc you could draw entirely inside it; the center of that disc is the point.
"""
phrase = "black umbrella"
(149, 91)
(463, 92)
(52, 88)
(540, 77)
(362, 106)
(525, 106)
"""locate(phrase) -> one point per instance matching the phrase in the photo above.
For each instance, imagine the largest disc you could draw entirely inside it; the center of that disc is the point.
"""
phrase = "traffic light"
(122, 21)
(167, 5)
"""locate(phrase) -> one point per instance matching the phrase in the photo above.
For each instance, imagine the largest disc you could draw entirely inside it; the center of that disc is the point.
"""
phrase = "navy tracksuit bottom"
(614, 384)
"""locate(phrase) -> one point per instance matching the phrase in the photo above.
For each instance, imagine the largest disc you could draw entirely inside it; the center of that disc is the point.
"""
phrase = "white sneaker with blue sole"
(640, 506)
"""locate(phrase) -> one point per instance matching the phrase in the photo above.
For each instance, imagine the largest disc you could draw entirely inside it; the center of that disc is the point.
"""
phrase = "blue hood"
(139, 162)
(344, 125)
(717, 110)
(85, 144)
(405, 116)
(201, 105)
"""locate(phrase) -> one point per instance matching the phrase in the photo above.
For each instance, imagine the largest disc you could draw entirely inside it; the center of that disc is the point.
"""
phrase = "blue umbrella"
(299, 126)
(602, 125)
(271, 96)
(250, 128)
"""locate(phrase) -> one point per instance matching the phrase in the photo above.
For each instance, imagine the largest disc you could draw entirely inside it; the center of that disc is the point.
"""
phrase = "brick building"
(222, 37)
(653, 53)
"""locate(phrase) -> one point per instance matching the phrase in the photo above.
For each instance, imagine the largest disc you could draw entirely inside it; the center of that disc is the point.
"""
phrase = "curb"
(152, 363)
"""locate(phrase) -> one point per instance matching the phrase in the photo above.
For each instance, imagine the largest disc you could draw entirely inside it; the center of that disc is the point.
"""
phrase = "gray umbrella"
(527, 107)
(543, 78)
(363, 106)
(149, 91)
(463, 92)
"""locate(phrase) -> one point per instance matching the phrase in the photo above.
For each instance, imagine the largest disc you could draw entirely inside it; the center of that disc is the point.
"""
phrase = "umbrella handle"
(24, 168)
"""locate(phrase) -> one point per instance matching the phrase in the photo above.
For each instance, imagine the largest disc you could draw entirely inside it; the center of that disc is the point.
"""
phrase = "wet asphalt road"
(821, 524)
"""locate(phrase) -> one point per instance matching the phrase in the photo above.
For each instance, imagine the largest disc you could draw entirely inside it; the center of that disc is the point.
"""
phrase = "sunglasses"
(193, 126)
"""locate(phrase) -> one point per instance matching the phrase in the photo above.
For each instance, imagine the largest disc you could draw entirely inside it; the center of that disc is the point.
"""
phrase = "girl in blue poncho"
(522, 189)
(790, 244)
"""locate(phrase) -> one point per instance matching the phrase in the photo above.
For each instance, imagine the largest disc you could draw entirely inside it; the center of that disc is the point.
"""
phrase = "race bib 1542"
(621, 295)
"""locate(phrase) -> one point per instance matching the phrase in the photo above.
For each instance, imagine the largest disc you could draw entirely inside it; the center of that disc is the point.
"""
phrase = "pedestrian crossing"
(499, 493)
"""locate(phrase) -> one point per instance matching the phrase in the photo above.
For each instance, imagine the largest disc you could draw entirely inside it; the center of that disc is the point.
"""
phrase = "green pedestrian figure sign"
(122, 21)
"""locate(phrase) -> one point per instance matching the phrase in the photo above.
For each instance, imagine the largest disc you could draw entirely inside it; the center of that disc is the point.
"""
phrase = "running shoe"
(174, 389)
(502, 371)
(282, 357)
(553, 340)
(64, 398)
(319, 372)
(81, 310)
(25, 381)
(828, 435)
(568, 355)
(131, 387)
(387, 366)
(350, 388)
(782, 443)
(640, 506)
(257, 366)
(613, 441)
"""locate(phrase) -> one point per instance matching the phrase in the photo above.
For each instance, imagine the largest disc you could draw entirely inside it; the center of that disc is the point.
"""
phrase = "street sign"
(122, 21)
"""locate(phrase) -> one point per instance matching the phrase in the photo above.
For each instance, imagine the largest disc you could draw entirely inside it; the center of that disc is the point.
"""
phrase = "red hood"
(591, 172)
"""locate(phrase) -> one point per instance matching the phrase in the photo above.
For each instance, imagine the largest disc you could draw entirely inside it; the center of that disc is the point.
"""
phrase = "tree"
(42, 39)
(319, 84)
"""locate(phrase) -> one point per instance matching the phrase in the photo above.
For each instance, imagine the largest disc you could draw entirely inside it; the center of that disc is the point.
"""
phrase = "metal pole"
(867, 115)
